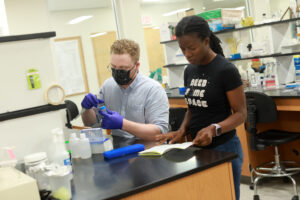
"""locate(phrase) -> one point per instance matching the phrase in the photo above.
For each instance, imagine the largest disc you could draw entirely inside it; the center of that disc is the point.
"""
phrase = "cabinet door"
(155, 51)
(101, 45)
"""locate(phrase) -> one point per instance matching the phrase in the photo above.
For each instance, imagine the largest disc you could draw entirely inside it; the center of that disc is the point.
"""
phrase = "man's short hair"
(124, 46)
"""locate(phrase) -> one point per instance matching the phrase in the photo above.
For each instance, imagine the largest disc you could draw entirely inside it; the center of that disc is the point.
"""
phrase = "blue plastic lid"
(102, 108)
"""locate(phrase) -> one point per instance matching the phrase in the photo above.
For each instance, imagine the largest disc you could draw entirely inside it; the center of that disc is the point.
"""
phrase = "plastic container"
(74, 145)
(96, 139)
(108, 145)
(297, 67)
(60, 182)
(7, 157)
(85, 149)
(235, 56)
(36, 167)
(182, 90)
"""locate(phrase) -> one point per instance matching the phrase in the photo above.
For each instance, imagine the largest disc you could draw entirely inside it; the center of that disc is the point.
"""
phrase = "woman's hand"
(204, 136)
(173, 137)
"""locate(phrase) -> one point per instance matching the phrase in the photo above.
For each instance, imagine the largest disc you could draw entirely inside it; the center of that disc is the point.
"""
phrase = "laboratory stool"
(262, 109)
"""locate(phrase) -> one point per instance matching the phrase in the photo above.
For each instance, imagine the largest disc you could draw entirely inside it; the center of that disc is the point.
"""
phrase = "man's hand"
(204, 136)
(111, 120)
(90, 100)
(174, 136)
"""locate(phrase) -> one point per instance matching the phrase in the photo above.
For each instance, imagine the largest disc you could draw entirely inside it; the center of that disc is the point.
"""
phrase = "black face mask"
(122, 77)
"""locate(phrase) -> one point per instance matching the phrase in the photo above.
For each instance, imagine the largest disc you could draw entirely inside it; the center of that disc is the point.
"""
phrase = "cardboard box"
(222, 18)
(189, 12)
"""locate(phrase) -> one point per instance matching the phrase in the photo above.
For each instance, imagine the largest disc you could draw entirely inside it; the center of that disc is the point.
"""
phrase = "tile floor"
(271, 189)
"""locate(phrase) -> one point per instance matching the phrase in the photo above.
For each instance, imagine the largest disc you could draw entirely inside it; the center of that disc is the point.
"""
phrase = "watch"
(218, 130)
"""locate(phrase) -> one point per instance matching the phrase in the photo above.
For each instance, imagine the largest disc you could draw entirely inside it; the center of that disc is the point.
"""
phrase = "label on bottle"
(67, 162)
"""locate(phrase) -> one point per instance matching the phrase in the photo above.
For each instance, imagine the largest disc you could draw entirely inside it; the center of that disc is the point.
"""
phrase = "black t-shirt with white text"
(206, 87)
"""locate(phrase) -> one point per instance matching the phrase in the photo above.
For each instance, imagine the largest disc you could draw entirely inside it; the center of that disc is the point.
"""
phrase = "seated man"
(137, 106)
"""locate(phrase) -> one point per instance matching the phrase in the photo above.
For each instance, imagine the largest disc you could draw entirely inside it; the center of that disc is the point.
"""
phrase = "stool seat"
(276, 137)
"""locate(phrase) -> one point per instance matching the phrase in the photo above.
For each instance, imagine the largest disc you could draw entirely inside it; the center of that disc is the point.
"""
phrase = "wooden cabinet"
(288, 120)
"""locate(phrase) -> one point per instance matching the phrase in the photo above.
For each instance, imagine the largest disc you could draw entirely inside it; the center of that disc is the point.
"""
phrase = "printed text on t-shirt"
(195, 92)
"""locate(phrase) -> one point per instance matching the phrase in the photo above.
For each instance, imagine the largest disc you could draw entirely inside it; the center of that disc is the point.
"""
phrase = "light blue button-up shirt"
(144, 101)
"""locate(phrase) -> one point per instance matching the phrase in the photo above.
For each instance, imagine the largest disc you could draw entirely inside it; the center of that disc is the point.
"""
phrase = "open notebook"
(161, 149)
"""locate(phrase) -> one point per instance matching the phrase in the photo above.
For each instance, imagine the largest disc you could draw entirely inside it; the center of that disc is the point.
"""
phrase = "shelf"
(266, 56)
(12, 38)
(249, 58)
(258, 25)
(174, 65)
(30, 111)
(168, 41)
(244, 28)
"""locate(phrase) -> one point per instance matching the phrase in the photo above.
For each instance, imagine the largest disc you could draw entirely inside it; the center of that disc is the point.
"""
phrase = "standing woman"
(214, 94)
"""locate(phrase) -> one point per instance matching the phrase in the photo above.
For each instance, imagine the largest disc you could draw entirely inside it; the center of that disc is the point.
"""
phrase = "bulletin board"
(71, 65)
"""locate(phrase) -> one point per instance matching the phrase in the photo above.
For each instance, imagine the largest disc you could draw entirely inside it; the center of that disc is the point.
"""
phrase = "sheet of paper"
(161, 149)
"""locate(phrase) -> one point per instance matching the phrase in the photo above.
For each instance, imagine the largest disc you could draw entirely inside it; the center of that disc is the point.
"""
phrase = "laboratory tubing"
(85, 149)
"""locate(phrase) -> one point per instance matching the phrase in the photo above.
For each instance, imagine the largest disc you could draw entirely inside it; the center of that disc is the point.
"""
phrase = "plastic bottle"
(242, 72)
(251, 75)
(85, 148)
(74, 145)
(274, 74)
(297, 67)
(36, 166)
(60, 155)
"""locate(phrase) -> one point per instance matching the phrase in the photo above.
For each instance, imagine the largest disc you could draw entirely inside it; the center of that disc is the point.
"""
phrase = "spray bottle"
(60, 155)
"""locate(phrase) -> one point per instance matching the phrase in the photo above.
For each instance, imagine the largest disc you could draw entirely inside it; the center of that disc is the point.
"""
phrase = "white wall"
(33, 133)
(3, 19)
(156, 12)
(197, 5)
(130, 26)
(279, 5)
(102, 20)
(28, 16)
(36, 18)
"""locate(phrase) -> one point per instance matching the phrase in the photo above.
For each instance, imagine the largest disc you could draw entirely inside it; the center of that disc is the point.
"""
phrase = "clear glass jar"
(36, 167)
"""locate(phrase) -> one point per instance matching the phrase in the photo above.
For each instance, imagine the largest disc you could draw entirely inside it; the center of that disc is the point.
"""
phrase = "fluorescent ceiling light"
(149, 1)
(98, 34)
(240, 8)
(79, 19)
(176, 11)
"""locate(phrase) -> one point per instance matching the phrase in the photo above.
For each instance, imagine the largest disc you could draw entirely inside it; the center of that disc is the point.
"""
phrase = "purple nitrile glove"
(90, 100)
(111, 120)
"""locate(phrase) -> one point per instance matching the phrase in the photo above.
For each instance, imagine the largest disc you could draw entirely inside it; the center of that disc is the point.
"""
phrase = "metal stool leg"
(294, 185)
(252, 179)
(255, 183)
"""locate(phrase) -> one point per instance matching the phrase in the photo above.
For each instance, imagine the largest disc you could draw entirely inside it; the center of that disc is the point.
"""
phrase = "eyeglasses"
(125, 68)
